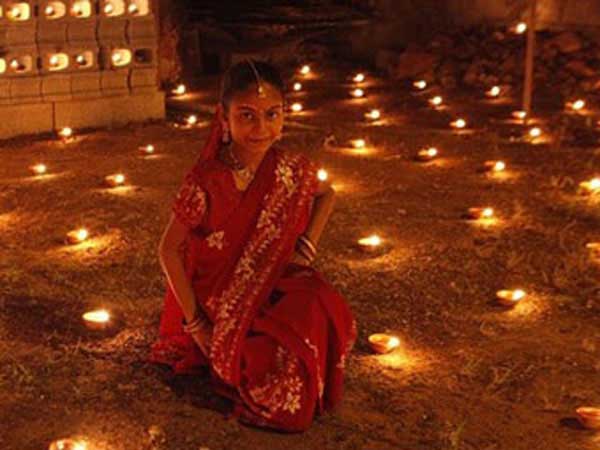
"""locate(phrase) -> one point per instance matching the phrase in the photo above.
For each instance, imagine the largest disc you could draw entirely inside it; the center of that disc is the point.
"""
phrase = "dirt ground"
(469, 374)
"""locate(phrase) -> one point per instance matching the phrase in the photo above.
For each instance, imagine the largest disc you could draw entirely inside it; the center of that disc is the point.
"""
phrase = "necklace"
(242, 174)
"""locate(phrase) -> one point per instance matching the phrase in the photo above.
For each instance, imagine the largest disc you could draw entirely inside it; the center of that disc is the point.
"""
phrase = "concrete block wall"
(64, 56)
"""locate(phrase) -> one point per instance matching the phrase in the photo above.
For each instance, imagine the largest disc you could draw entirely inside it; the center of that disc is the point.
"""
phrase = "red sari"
(280, 331)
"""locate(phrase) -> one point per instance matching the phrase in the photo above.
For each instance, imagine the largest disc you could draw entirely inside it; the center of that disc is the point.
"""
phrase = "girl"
(242, 297)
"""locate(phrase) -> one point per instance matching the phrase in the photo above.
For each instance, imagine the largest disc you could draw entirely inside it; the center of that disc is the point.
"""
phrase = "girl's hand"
(299, 259)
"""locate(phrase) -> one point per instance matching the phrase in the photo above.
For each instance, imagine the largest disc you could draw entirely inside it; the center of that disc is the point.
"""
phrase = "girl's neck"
(247, 158)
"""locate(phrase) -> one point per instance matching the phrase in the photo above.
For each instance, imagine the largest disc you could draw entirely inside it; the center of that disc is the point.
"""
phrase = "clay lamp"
(427, 154)
(507, 297)
(383, 343)
(96, 320)
(77, 236)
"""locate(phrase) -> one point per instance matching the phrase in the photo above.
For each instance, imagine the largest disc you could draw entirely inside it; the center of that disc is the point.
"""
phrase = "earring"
(226, 138)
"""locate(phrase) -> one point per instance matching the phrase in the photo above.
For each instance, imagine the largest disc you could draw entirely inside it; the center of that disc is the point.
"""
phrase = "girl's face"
(254, 122)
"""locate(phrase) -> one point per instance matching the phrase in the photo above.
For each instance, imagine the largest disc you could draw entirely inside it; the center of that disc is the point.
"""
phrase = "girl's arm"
(171, 256)
(320, 212)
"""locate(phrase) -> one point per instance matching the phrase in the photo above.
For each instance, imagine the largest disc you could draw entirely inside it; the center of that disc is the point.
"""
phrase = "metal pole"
(528, 85)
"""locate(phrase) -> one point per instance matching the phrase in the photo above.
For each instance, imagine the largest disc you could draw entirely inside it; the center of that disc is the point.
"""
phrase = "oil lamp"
(591, 186)
(436, 101)
(115, 180)
(427, 154)
(297, 107)
(147, 149)
(322, 174)
(374, 114)
(77, 236)
(494, 166)
(420, 84)
(68, 444)
(493, 92)
(359, 78)
(589, 417)
(370, 243)
(383, 343)
(358, 93)
(480, 213)
(39, 169)
(98, 319)
(65, 133)
(458, 123)
(297, 86)
(519, 114)
(191, 120)
(359, 143)
(509, 297)
(179, 90)
(305, 70)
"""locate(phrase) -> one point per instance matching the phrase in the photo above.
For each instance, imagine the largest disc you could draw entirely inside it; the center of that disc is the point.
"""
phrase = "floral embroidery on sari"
(190, 203)
(216, 240)
(282, 388)
(259, 258)
(315, 351)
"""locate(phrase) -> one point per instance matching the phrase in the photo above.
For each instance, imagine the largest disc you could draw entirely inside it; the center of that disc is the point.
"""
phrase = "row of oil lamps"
(380, 343)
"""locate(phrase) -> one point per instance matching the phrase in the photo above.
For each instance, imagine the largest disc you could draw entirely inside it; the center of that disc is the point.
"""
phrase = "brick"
(111, 30)
(114, 81)
(144, 56)
(85, 84)
(26, 57)
(142, 28)
(18, 34)
(143, 78)
(25, 88)
(39, 119)
(51, 31)
(56, 87)
(81, 30)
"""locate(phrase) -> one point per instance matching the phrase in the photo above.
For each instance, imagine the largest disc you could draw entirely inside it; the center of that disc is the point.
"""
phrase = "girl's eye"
(273, 114)
(247, 115)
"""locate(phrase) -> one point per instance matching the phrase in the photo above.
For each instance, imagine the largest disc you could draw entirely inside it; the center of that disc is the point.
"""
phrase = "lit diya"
(577, 105)
(493, 92)
(115, 180)
(39, 169)
(65, 133)
(191, 120)
(519, 114)
(591, 186)
(589, 417)
(370, 243)
(494, 166)
(98, 319)
(458, 123)
(305, 70)
(420, 84)
(480, 213)
(427, 154)
(436, 101)
(147, 149)
(68, 444)
(383, 343)
(77, 236)
(358, 93)
(297, 87)
(296, 107)
(322, 174)
(358, 143)
(179, 90)
(535, 132)
(374, 114)
(520, 28)
(507, 297)
(358, 78)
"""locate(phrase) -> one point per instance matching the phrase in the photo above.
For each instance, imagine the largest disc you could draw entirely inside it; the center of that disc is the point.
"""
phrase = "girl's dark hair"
(241, 76)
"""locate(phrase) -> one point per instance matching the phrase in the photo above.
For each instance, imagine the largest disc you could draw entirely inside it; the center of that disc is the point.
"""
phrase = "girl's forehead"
(249, 98)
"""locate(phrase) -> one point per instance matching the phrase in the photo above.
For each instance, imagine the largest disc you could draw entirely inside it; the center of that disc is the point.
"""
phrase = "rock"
(413, 62)
(580, 69)
(566, 42)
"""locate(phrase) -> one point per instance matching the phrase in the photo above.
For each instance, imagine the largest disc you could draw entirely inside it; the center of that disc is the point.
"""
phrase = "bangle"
(303, 251)
(305, 245)
(196, 324)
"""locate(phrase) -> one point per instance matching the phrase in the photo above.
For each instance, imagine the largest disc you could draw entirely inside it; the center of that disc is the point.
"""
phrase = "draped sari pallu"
(280, 331)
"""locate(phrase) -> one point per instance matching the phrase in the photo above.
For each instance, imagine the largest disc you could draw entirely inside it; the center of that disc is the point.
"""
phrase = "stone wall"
(77, 63)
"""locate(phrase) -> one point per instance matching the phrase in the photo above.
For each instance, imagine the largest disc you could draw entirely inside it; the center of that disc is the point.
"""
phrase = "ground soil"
(469, 374)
